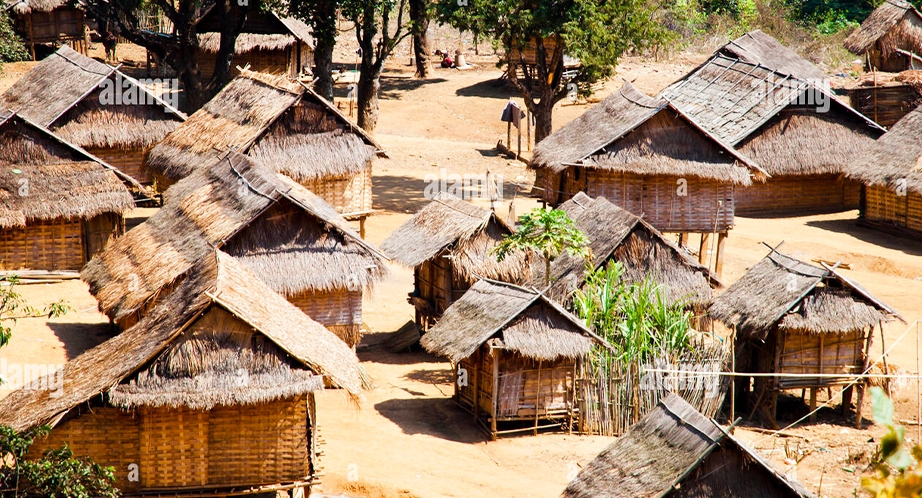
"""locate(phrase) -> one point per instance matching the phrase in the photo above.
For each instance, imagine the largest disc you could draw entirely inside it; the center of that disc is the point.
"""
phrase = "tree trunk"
(324, 26)
(187, 67)
(367, 96)
(543, 113)
(232, 16)
(419, 16)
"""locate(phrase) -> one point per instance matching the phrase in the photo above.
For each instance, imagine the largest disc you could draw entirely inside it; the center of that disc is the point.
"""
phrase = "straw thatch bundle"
(29, 6)
(247, 42)
(261, 115)
(264, 30)
(894, 161)
(285, 234)
(674, 450)
(617, 235)
(756, 47)
(155, 362)
(620, 134)
(62, 92)
(466, 233)
(895, 24)
(524, 320)
(781, 290)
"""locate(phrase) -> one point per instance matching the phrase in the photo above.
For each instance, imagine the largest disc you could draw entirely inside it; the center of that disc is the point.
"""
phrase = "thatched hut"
(617, 235)
(285, 125)
(293, 240)
(59, 205)
(448, 244)
(799, 132)
(889, 37)
(516, 352)
(790, 317)
(676, 452)
(892, 178)
(48, 22)
(95, 106)
(211, 394)
(267, 43)
(887, 97)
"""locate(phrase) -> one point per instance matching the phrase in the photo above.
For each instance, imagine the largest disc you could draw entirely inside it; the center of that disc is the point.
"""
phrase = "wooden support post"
(528, 129)
(537, 390)
(494, 401)
(812, 404)
(719, 260)
(846, 399)
(862, 382)
(362, 227)
(703, 249)
(509, 135)
(683, 239)
(518, 130)
(883, 348)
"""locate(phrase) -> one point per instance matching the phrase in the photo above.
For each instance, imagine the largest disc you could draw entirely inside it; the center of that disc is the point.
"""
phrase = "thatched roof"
(42, 177)
(62, 92)
(28, 6)
(272, 118)
(522, 320)
(783, 291)
(288, 236)
(262, 30)
(756, 47)
(460, 231)
(612, 136)
(667, 453)
(615, 234)
(189, 352)
(893, 21)
(895, 159)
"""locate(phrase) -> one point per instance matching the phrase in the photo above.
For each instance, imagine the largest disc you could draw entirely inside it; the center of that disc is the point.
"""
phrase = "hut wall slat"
(348, 194)
(263, 61)
(885, 104)
(340, 311)
(884, 205)
(802, 354)
(798, 195)
(128, 161)
(43, 245)
(174, 447)
(60, 25)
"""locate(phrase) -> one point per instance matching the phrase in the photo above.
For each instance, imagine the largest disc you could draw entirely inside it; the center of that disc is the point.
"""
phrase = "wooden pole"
(883, 347)
(528, 128)
(495, 392)
(719, 259)
(509, 135)
(518, 130)
(733, 380)
(537, 386)
(861, 383)
(703, 249)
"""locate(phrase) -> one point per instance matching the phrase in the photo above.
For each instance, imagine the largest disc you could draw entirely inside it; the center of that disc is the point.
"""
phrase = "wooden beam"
(703, 249)
(719, 260)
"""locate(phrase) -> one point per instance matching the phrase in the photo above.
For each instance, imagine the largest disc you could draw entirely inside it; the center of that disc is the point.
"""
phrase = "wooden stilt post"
(495, 400)
(518, 130)
(528, 129)
(703, 249)
(509, 135)
(719, 260)
(862, 382)
(883, 349)
(537, 391)
(812, 404)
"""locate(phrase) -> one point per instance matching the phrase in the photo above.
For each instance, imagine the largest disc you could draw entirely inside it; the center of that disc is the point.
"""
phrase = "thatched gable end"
(151, 364)
(261, 31)
(894, 161)
(896, 23)
(524, 320)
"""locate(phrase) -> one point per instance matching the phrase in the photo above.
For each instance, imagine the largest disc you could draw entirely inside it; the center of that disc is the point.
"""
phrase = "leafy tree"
(597, 32)
(11, 47)
(419, 18)
(897, 473)
(321, 16)
(14, 307)
(372, 19)
(546, 231)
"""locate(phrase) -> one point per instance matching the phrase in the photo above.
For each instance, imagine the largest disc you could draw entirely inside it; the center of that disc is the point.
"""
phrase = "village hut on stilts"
(449, 245)
(890, 39)
(291, 239)
(210, 394)
(59, 205)
(97, 107)
(48, 23)
(794, 319)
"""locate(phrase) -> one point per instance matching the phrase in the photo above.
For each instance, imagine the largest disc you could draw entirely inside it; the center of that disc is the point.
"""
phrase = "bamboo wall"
(547, 183)
(658, 199)
(247, 445)
(885, 104)
(129, 161)
(282, 61)
(44, 245)
(61, 25)
(433, 289)
(805, 353)
(348, 194)
(782, 195)
(340, 311)
(883, 205)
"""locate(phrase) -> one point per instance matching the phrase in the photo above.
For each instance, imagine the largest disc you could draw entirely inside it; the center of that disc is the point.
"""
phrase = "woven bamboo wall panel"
(706, 206)
(883, 204)
(263, 61)
(128, 161)
(348, 194)
(547, 183)
(174, 447)
(805, 353)
(798, 194)
(340, 307)
(524, 387)
(107, 435)
(885, 104)
(914, 212)
(43, 245)
(60, 24)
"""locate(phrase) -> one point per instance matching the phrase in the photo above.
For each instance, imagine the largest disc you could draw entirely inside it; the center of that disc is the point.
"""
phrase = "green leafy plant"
(11, 47)
(549, 232)
(897, 473)
(14, 307)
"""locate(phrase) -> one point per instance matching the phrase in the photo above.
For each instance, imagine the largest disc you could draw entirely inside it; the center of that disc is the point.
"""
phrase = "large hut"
(891, 171)
(95, 106)
(648, 157)
(773, 109)
(676, 452)
(48, 23)
(293, 240)
(267, 43)
(617, 235)
(287, 126)
(449, 245)
(59, 205)
(516, 353)
(890, 39)
(211, 394)
(790, 317)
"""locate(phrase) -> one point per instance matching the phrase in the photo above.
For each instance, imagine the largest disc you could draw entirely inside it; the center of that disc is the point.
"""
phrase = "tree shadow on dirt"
(393, 86)
(437, 417)
(398, 194)
(491, 89)
(876, 237)
(80, 337)
(442, 376)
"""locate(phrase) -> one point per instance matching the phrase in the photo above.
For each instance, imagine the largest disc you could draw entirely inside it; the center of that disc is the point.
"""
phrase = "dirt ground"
(406, 438)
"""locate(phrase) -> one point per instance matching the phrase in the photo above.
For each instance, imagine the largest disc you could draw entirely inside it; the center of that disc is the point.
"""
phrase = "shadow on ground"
(904, 244)
(79, 337)
(492, 89)
(437, 417)
(398, 194)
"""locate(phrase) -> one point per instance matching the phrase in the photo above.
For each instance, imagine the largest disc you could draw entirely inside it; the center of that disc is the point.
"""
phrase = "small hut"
(676, 452)
(448, 244)
(790, 317)
(293, 240)
(95, 106)
(516, 352)
(285, 125)
(617, 235)
(48, 23)
(211, 394)
(887, 97)
(892, 177)
(59, 205)
(890, 39)
(267, 43)
(800, 133)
